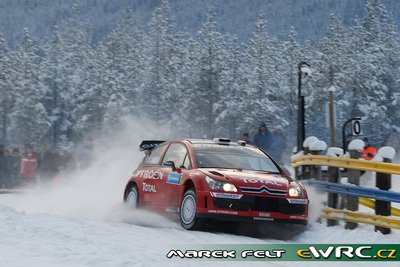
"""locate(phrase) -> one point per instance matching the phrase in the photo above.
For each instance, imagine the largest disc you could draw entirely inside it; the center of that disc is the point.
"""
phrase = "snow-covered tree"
(28, 115)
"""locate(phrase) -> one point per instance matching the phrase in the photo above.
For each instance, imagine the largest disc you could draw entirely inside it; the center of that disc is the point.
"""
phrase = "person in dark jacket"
(47, 163)
(15, 162)
(274, 143)
(278, 145)
(263, 139)
(5, 169)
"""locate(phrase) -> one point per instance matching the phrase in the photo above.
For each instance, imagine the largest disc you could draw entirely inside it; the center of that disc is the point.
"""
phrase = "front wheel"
(132, 199)
(187, 211)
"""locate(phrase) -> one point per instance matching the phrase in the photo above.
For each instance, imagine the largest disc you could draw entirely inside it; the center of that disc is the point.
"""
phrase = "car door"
(150, 176)
(172, 179)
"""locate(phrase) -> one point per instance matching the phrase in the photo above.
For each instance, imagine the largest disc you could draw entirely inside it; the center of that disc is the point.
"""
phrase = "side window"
(155, 156)
(186, 163)
(176, 153)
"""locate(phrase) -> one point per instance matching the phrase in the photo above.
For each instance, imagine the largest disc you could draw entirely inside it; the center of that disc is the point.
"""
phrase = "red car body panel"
(260, 196)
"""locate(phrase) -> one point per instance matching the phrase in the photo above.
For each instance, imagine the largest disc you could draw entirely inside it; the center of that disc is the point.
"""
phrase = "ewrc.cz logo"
(338, 252)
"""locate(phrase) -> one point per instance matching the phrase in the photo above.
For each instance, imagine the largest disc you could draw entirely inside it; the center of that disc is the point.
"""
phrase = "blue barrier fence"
(353, 190)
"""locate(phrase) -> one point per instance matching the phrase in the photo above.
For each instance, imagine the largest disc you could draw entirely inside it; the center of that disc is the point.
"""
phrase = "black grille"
(266, 204)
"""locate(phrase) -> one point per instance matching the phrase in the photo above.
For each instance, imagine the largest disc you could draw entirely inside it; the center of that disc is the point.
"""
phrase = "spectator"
(2, 147)
(47, 163)
(29, 164)
(369, 151)
(5, 166)
(245, 137)
(15, 163)
(278, 145)
(263, 139)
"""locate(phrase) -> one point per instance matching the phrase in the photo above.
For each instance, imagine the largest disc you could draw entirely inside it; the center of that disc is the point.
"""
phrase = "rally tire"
(132, 197)
(187, 211)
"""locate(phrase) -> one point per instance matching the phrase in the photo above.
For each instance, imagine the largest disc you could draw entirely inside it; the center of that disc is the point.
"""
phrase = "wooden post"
(305, 170)
(333, 177)
(316, 148)
(383, 182)
(354, 178)
(315, 170)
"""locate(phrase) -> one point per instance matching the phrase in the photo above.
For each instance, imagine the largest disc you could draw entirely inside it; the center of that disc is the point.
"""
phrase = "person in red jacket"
(29, 163)
(369, 151)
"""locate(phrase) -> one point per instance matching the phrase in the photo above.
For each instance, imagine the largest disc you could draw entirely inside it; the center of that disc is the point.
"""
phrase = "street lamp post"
(303, 70)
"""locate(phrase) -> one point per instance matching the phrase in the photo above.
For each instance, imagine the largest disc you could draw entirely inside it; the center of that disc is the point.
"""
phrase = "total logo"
(267, 182)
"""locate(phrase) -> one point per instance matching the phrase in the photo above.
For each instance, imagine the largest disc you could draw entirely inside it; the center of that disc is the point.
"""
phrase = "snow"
(387, 152)
(331, 89)
(40, 239)
(335, 151)
(377, 158)
(356, 144)
(318, 146)
(80, 221)
(309, 140)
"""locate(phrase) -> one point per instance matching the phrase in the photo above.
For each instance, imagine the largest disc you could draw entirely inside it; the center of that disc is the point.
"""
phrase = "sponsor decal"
(297, 217)
(297, 201)
(377, 253)
(174, 178)
(223, 212)
(151, 188)
(263, 219)
(150, 174)
(264, 214)
(266, 182)
(226, 195)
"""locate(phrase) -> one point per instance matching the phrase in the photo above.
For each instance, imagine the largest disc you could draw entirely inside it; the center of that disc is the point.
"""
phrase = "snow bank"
(335, 151)
(309, 140)
(318, 146)
(356, 144)
(387, 152)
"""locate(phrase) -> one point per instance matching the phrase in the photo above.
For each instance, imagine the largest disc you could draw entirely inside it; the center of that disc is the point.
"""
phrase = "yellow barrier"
(382, 167)
(359, 217)
(371, 204)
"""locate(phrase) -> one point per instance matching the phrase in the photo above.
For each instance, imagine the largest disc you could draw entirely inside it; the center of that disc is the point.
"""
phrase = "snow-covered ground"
(80, 221)
(132, 238)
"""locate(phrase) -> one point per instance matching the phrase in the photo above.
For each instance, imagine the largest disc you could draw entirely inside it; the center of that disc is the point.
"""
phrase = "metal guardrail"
(359, 217)
(382, 167)
(369, 203)
(354, 190)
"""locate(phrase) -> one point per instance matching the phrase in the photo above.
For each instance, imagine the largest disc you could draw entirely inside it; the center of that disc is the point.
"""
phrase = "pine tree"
(6, 93)
(28, 115)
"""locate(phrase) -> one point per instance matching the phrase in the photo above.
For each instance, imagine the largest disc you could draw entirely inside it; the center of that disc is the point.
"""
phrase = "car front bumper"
(252, 207)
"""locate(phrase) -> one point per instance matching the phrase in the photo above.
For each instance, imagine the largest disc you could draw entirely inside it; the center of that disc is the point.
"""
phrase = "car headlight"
(296, 190)
(219, 185)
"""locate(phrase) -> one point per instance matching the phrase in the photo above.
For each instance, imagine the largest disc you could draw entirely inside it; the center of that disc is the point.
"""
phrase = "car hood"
(251, 181)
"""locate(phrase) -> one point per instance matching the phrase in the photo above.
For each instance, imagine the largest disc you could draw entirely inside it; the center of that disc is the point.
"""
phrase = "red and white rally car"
(215, 179)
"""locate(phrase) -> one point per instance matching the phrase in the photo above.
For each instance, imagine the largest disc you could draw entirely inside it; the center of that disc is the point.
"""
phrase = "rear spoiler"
(149, 144)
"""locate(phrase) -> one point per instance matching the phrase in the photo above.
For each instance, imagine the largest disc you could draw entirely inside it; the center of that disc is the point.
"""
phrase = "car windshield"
(233, 157)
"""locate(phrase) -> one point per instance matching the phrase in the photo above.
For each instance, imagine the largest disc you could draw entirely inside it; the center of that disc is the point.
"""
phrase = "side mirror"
(171, 164)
